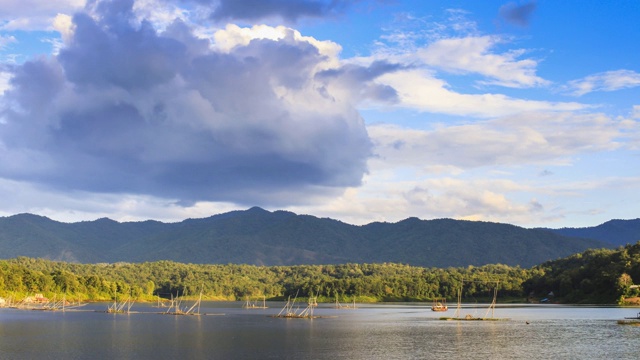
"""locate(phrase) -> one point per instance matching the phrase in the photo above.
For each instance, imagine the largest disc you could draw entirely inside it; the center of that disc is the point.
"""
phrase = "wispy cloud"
(408, 33)
(421, 90)
(387, 198)
(402, 181)
(528, 138)
(6, 40)
(434, 51)
(605, 81)
(474, 55)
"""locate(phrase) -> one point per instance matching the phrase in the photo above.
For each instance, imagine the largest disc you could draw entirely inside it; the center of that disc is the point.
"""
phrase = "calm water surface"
(404, 331)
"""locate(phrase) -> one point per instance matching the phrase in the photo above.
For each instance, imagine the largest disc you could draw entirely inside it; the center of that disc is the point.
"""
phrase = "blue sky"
(521, 112)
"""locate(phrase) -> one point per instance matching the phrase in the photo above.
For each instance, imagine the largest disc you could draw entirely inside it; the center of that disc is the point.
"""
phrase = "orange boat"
(439, 305)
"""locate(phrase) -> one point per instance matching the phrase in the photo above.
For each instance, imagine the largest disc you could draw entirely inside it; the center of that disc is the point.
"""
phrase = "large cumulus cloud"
(124, 108)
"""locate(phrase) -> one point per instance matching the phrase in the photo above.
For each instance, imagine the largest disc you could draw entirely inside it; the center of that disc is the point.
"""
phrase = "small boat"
(637, 317)
(630, 320)
(439, 305)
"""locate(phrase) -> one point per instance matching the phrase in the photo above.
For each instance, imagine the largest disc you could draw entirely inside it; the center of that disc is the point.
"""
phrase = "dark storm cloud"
(126, 109)
(517, 14)
(360, 79)
(288, 10)
(134, 58)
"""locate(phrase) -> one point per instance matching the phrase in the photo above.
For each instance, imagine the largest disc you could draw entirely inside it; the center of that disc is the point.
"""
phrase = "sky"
(520, 112)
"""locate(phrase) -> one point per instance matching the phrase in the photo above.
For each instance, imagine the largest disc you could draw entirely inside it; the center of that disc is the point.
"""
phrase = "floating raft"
(629, 322)
(457, 315)
(293, 316)
(288, 311)
(471, 318)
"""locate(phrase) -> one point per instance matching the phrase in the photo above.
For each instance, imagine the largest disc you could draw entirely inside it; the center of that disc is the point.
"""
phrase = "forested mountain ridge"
(617, 232)
(260, 237)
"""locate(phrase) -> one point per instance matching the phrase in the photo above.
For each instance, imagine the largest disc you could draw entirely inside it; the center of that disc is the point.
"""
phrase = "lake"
(381, 331)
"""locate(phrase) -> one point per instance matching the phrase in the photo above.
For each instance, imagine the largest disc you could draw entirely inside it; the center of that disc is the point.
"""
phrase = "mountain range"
(616, 232)
(260, 237)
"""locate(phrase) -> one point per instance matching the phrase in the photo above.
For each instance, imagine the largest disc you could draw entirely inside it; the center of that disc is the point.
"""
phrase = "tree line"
(594, 276)
(367, 282)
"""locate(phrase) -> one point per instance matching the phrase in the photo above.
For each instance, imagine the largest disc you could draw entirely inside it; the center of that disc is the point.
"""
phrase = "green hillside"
(593, 276)
(259, 237)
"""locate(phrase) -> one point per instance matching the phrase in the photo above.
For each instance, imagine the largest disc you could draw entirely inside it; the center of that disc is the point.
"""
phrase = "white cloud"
(393, 192)
(4, 82)
(485, 171)
(6, 40)
(63, 24)
(455, 45)
(225, 40)
(605, 81)
(632, 128)
(419, 89)
(72, 206)
(474, 54)
(527, 138)
(392, 199)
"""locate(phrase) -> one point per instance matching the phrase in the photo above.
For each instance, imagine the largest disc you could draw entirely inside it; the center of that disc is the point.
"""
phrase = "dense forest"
(594, 276)
(366, 282)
